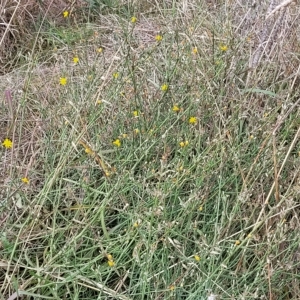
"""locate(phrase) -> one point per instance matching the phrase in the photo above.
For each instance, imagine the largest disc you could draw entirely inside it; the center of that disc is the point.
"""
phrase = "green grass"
(150, 203)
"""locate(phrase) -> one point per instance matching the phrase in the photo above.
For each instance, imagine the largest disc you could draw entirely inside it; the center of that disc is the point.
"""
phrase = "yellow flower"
(176, 108)
(180, 168)
(200, 208)
(133, 19)
(136, 131)
(197, 257)
(135, 113)
(237, 242)
(117, 143)
(63, 80)
(99, 102)
(164, 87)
(195, 50)
(99, 50)
(158, 38)
(251, 137)
(25, 180)
(109, 257)
(172, 287)
(192, 120)
(136, 224)
(116, 75)
(183, 144)
(223, 47)
(75, 59)
(65, 14)
(7, 143)
(124, 135)
(111, 263)
(88, 151)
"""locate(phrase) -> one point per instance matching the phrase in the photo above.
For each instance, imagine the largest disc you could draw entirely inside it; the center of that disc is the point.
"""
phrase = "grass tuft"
(149, 151)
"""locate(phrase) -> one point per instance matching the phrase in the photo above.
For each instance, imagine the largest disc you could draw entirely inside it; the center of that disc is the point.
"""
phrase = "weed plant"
(142, 159)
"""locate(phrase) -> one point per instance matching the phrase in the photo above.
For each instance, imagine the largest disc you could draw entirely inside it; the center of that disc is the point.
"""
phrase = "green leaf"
(259, 91)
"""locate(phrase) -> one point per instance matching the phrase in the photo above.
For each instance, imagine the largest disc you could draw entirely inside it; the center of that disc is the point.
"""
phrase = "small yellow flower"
(135, 113)
(158, 38)
(109, 257)
(136, 131)
(117, 143)
(99, 50)
(88, 151)
(195, 50)
(75, 59)
(99, 102)
(133, 19)
(237, 242)
(223, 48)
(7, 143)
(164, 87)
(63, 80)
(197, 257)
(176, 108)
(136, 224)
(183, 144)
(200, 208)
(172, 287)
(65, 14)
(25, 180)
(124, 135)
(251, 137)
(111, 263)
(116, 75)
(192, 120)
(249, 236)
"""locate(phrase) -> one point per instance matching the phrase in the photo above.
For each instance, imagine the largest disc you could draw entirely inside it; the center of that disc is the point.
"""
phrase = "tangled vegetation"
(149, 150)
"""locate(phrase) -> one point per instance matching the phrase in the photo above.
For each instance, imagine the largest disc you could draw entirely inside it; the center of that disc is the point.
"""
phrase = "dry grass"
(240, 166)
(20, 24)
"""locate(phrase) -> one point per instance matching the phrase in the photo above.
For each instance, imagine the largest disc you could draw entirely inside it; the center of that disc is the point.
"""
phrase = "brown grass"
(49, 108)
(18, 26)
